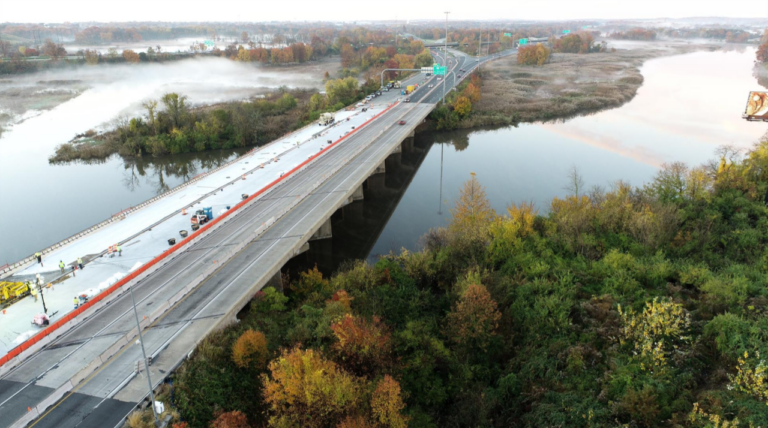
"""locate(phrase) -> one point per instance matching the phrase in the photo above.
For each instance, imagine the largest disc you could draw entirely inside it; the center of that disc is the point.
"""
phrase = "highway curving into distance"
(86, 377)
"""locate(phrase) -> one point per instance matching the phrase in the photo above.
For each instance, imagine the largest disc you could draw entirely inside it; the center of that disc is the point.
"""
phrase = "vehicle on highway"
(439, 78)
(407, 100)
(359, 104)
(430, 86)
(402, 122)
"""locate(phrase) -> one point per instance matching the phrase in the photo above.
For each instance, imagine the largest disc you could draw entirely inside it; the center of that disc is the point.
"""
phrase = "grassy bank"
(567, 86)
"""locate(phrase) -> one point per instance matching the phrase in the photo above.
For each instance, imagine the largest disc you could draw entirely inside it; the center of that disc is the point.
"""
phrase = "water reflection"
(688, 106)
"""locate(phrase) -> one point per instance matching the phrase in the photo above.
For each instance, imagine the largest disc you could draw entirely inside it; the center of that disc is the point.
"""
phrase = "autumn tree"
(762, 53)
(244, 37)
(303, 389)
(362, 346)
(5, 48)
(234, 419)
(537, 54)
(243, 55)
(250, 349)
(387, 404)
(472, 92)
(130, 56)
(472, 214)
(53, 50)
(473, 322)
(347, 56)
(91, 57)
(462, 106)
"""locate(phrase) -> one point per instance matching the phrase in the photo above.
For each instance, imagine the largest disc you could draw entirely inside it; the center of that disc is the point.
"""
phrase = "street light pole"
(445, 54)
(146, 362)
(40, 290)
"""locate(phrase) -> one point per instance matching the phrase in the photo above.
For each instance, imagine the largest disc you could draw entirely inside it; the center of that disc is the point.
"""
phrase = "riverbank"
(181, 129)
(569, 85)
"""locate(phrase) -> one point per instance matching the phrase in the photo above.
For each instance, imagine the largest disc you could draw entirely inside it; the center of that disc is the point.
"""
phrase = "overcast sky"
(361, 10)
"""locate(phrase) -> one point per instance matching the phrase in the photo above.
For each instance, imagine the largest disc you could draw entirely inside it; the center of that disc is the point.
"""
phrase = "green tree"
(175, 106)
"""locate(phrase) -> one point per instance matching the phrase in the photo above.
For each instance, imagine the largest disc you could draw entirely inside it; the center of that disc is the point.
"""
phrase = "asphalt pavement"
(97, 357)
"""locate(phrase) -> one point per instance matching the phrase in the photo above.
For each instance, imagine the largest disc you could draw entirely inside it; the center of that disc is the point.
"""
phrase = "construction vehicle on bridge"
(11, 292)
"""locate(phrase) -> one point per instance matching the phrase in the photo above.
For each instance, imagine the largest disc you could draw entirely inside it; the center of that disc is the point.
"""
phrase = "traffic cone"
(183, 211)
(243, 176)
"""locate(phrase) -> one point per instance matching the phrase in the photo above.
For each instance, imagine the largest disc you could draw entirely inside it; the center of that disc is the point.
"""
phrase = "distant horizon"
(390, 21)
(340, 11)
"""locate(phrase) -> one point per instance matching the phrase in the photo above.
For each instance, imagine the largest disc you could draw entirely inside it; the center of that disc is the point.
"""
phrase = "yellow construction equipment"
(10, 292)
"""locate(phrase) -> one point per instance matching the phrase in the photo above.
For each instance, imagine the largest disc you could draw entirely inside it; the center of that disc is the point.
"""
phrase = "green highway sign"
(438, 71)
(507, 34)
(208, 43)
(566, 31)
(523, 42)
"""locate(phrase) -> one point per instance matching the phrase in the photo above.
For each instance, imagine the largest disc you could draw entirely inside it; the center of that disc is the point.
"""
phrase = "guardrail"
(44, 337)
(8, 268)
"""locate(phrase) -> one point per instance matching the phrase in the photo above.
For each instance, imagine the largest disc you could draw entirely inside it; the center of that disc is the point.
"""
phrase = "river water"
(43, 203)
(687, 107)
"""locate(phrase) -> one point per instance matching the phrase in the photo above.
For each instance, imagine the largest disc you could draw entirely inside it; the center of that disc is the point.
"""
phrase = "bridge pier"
(325, 231)
(276, 281)
(358, 194)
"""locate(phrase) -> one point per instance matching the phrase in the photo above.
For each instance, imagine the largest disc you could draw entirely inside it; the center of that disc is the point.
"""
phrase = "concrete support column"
(325, 231)
(398, 149)
(276, 282)
(407, 145)
(358, 194)
(303, 249)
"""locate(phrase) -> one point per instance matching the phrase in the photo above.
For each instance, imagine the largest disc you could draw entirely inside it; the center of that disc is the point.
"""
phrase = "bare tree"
(151, 107)
(575, 181)
(5, 48)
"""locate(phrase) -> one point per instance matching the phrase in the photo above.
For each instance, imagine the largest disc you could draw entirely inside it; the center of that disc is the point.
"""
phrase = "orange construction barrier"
(183, 211)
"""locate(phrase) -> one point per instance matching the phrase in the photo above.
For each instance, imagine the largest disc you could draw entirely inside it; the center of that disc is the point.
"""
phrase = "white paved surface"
(15, 322)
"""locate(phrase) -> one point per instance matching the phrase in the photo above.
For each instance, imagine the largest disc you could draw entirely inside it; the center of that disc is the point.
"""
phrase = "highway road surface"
(86, 377)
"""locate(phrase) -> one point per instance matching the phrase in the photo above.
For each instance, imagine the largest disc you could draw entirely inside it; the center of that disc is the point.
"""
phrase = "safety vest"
(61, 265)
(117, 248)
(33, 291)
(77, 300)
(79, 261)
(38, 254)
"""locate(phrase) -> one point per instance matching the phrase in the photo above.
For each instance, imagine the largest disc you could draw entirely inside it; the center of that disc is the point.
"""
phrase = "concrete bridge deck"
(86, 376)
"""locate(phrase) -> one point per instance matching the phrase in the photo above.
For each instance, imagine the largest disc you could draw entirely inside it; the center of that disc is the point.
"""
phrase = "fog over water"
(45, 203)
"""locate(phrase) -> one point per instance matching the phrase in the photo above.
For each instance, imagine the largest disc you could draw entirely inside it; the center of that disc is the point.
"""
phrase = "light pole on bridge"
(445, 53)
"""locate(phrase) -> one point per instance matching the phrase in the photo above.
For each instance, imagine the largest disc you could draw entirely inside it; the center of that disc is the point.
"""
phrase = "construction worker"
(80, 263)
(61, 265)
(39, 279)
(110, 251)
(39, 256)
(33, 292)
(119, 249)
(77, 302)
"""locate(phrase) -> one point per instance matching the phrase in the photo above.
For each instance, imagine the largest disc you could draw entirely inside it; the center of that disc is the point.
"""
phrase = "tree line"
(635, 306)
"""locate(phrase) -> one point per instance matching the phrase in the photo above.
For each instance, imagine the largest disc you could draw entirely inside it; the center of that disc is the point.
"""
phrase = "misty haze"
(413, 215)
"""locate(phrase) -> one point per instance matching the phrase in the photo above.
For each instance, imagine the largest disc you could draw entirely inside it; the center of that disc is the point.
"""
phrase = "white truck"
(327, 119)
